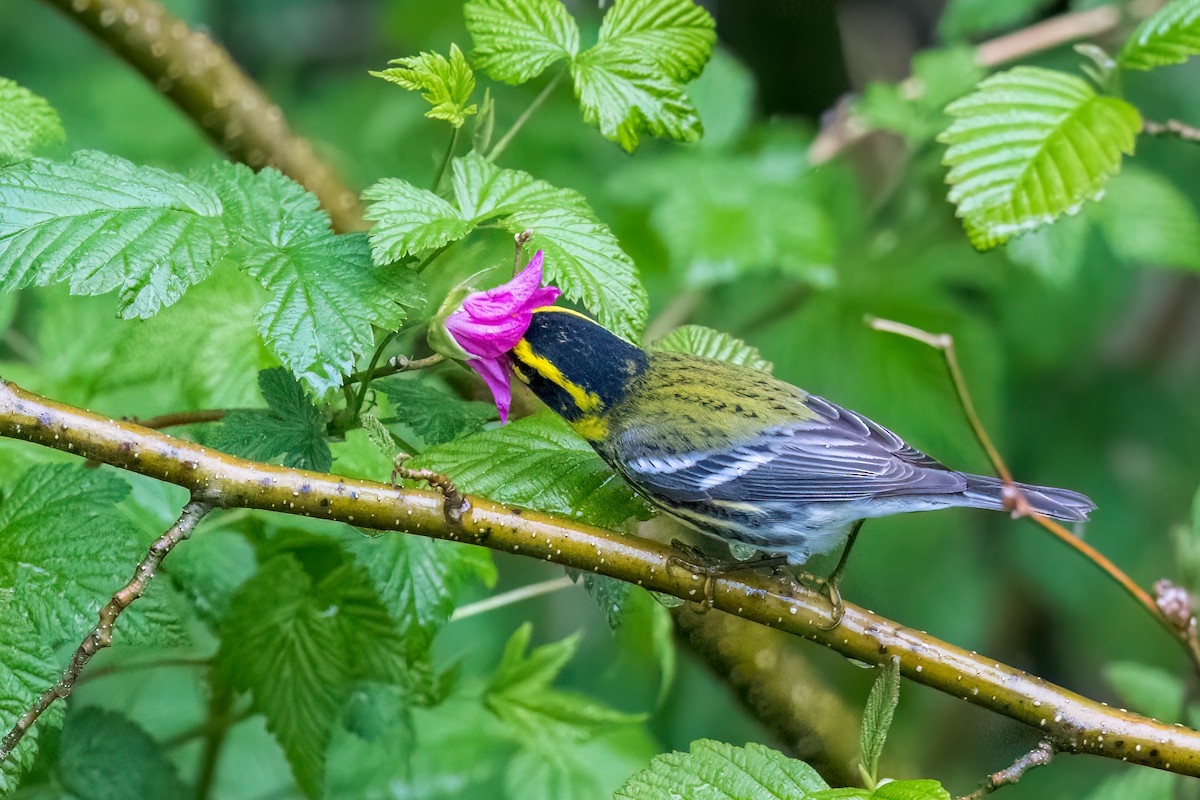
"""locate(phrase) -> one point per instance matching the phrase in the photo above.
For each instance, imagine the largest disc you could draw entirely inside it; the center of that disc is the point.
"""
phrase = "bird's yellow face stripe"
(591, 425)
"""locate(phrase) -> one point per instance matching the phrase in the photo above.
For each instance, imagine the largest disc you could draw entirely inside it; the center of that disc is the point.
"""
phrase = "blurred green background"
(1081, 343)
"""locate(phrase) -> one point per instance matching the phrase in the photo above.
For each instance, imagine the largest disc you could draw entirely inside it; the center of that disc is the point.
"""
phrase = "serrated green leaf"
(537, 714)
(708, 343)
(537, 462)
(409, 220)
(1147, 220)
(291, 429)
(1028, 145)
(515, 40)
(325, 294)
(27, 122)
(326, 298)
(446, 83)
(100, 223)
(436, 415)
(26, 670)
(1171, 36)
(288, 637)
(719, 771)
(582, 255)
(379, 436)
(674, 36)
(421, 581)
(877, 716)
(1147, 690)
(911, 790)
(94, 741)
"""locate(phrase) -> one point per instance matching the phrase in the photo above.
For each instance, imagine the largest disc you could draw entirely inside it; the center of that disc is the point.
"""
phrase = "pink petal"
(488, 339)
(506, 297)
(495, 374)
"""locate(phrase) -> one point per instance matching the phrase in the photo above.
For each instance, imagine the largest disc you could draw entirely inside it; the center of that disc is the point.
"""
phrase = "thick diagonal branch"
(100, 636)
(1071, 722)
(200, 77)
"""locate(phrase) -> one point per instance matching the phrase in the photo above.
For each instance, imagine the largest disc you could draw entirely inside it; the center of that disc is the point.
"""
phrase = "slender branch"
(1171, 127)
(1037, 757)
(450, 148)
(1185, 634)
(846, 128)
(100, 636)
(369, 375)
(200, 77)
(397, 364)
(183, 418)
(526, 115)
(509, 598)
(1073, 723)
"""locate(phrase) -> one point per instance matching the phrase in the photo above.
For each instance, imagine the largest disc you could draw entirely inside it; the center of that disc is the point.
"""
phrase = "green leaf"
(436, 416)
(1143, 784)
(326, 297)
(962, 19)
(420, 580)
(446, 83)
(674, 36)
(515, 40)
(582, 255)
(632, 80)
(94, 741)
(27, 122)
(1031, 144)
(1147, 220)
(718, 771)
(291, 429)
(537, 462)
(26, 670)
(537, 714)
(916, 108)
(1171, 36)
(610, 595)
(1055, 252)
(701, 341)
(299, 645)
(100, 223)
(1147, 690)
(877, 716)
(410, 220)
(911, 790)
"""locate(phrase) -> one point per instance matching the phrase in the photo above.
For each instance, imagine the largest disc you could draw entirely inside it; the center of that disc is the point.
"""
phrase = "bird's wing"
(837, 456)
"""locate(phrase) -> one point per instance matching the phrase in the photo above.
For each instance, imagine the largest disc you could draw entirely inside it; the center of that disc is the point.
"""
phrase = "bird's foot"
(830, 588)
(699, 563)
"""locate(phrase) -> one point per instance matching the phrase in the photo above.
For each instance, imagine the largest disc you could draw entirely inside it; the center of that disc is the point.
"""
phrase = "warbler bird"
(740, 455)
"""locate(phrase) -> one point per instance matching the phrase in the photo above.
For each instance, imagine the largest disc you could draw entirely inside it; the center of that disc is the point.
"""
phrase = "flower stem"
(365, 382)
(437, 181)
(525, 116)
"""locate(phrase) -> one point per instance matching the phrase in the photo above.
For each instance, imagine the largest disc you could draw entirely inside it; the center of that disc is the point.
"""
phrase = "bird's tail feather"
(984, 491)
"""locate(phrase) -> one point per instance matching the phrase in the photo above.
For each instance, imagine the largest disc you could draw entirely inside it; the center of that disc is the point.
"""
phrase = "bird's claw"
(830, 588)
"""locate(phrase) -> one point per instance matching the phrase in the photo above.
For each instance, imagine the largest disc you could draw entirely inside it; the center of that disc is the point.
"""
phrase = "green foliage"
(877, 718)
(291, 429)
(717, 771)
(26, 670)
(537, 462)
(916, 108)
(1028, 145)
(701, 341)
(27, 122)
(538, 715)
(1171, 36)
(1144, 784)
(1146, 220)
(446, 83)
(290, 635)
(100, 223)
(893, 790)
(965, 18)
(421, 581)
(516, 40)
(582, 255)
(1148, 690)
(93, 740)
(436, 416)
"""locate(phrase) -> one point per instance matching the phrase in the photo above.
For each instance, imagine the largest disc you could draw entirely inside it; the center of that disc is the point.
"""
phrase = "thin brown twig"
(1039, 756)
(1171, 127)
(1072, 722)
(397, 364)
(1016, 499)
(100, 636)
(178, 418)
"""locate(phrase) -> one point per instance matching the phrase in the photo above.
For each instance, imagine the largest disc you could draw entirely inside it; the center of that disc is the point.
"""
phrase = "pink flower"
(488, 324)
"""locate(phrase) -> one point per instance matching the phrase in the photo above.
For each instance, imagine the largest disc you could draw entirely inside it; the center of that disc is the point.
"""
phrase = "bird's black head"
(575, 366)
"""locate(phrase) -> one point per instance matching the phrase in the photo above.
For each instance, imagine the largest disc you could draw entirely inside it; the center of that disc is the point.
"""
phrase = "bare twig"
(846, 128)
(200, 77)
(515, 596)
(1171, 127)
(1016, 499)
(526, 115)
(100, 636)
(183, 418)
(1037, 757)
(397, 364)
(1073, 723)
